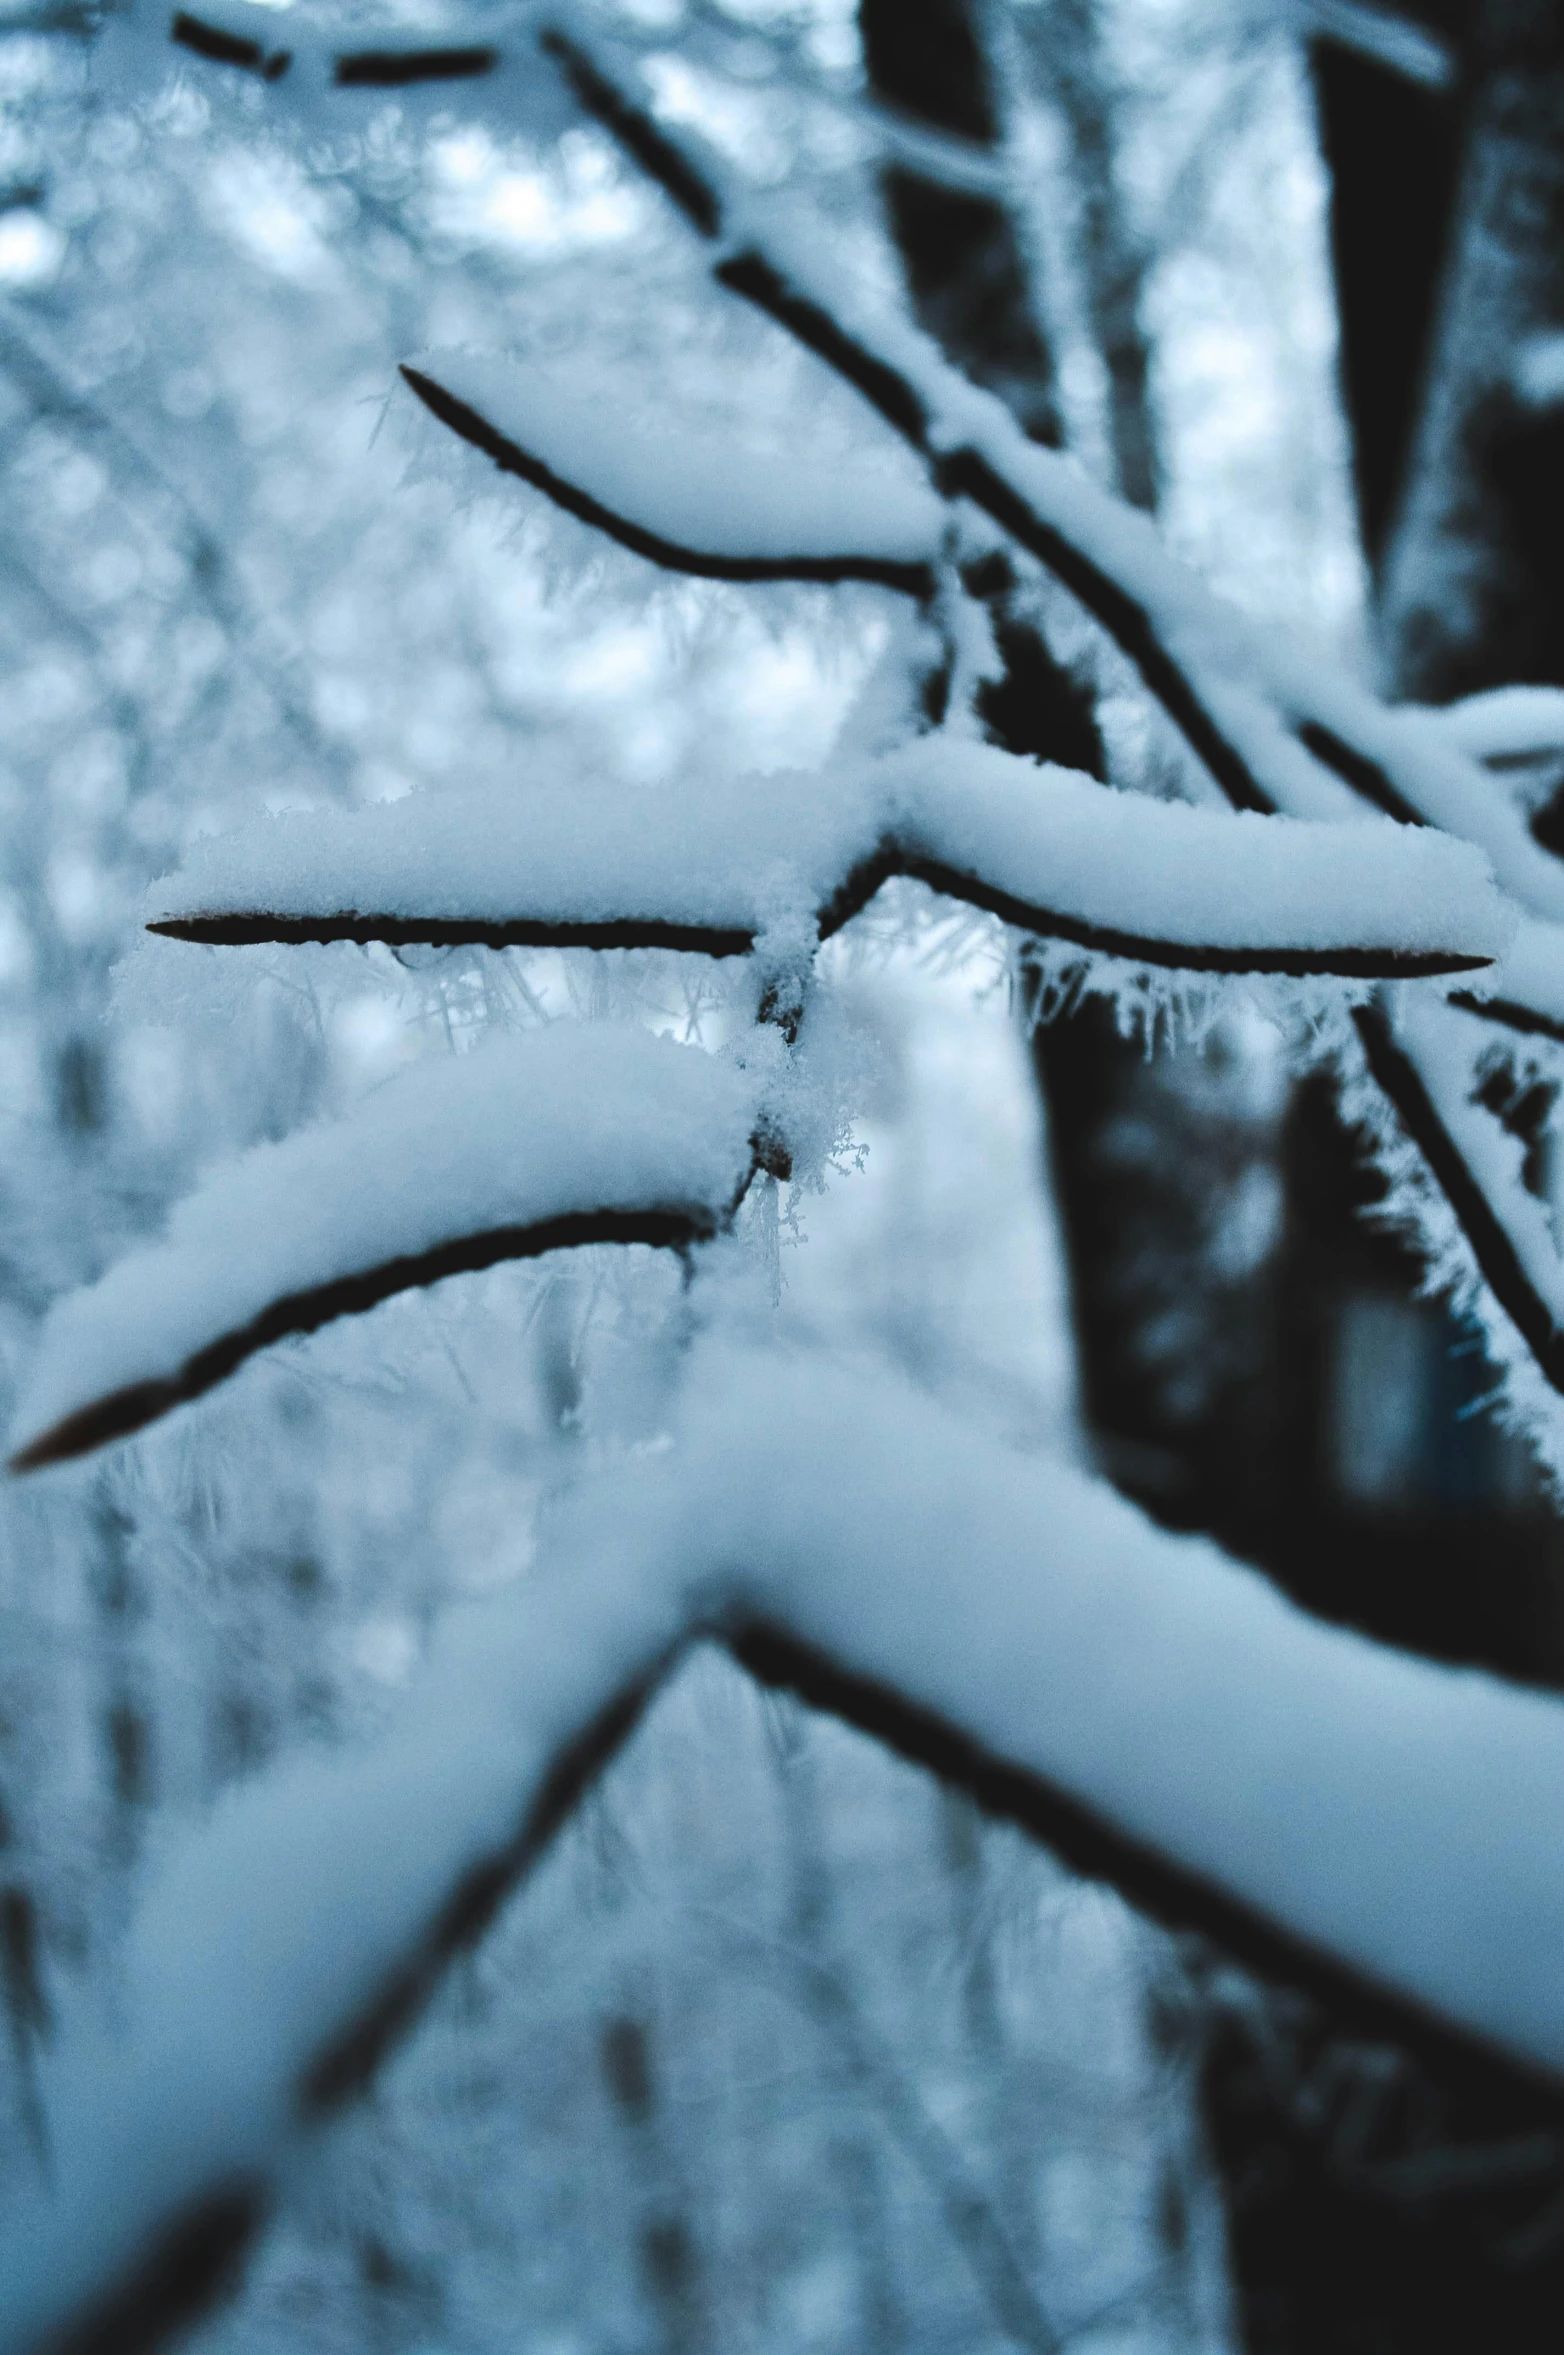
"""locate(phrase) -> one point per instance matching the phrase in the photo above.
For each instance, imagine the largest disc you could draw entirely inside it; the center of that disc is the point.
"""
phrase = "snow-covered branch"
(690, 505)
(1426, 1060)
(1394, 41)
(590, 1133)
(718, 865)
(1275, 731)
(1371, 1821)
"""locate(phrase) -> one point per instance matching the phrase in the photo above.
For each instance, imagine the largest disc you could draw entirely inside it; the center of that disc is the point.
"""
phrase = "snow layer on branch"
(756, 851)
(1267, 694)
(1399, 1816)
(1531, 977)
(1300, 729)
(1394, 1815)
(693, 488)
(573, 1119)
(1506, 723)
(1206, 877)
(728, 853)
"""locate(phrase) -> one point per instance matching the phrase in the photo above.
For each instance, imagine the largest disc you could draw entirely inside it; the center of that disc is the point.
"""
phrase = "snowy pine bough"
(1366, 1821)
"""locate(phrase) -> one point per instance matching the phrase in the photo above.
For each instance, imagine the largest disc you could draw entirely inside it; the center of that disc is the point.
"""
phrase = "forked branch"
(1362, 1821)
(1274, 732)
(719, 864)
(1246, 708)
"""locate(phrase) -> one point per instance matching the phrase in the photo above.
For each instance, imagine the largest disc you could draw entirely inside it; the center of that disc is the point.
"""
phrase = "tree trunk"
(1234, 1387)
(1474, 577)
(965, 267)
(1389, 229)
(1369, 2207)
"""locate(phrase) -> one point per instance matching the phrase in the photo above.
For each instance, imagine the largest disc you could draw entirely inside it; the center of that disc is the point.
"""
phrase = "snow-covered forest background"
(784, 2043)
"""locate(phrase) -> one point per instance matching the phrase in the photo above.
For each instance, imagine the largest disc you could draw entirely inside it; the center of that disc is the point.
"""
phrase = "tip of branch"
(117, 1416)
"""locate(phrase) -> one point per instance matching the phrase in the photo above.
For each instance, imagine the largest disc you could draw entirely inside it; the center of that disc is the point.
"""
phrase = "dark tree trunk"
(965, 268)
(1370, 2207)
(1392, 149)
(1297, 1402)
(1066, 53)
(1474, 577)
(1124, 1236)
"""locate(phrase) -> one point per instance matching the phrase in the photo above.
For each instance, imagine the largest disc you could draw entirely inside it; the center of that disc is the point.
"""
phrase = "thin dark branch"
(223, 48)
(399, 69)
(1511, 1014)
(520, 932)
(671, 1227)
(1158, 1885)
(637, 134)
(912, 579)
(247, 927)
(196, 2258)
(884, 386)
(1366, 777)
